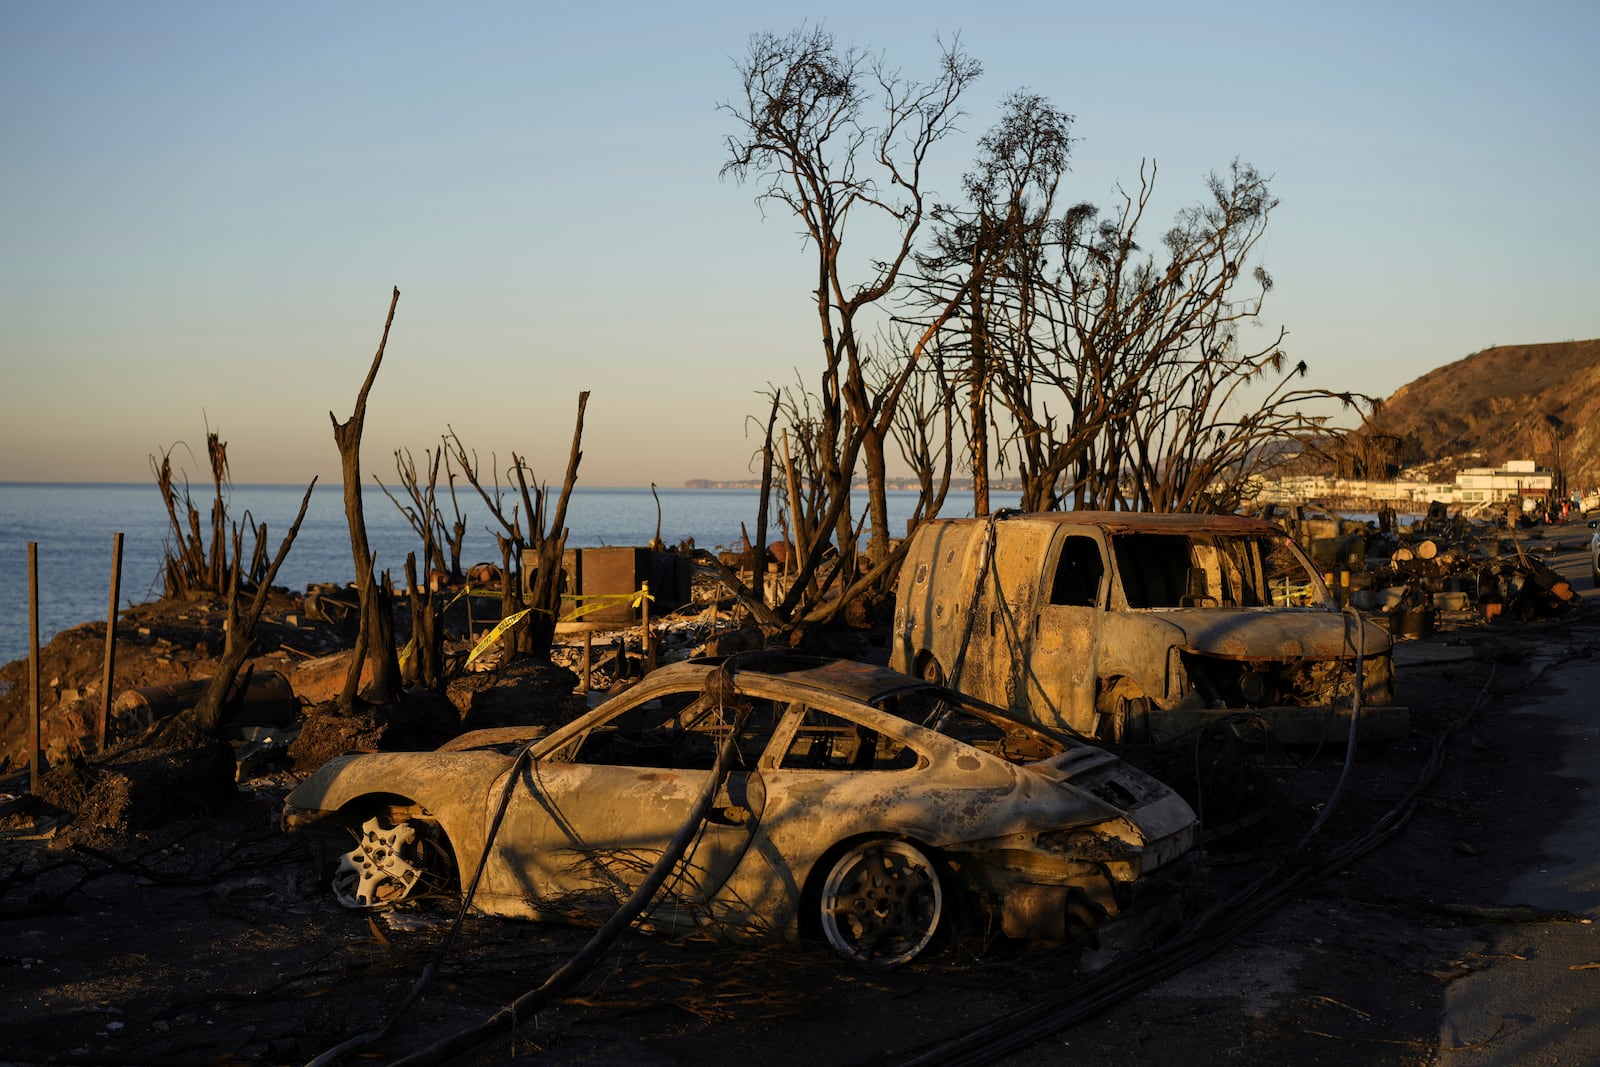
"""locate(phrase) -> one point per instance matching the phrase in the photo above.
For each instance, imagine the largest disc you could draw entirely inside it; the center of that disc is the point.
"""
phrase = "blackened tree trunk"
(426, 665)
(196, 726)
(240, 637)
(544, 592)
(376, 640)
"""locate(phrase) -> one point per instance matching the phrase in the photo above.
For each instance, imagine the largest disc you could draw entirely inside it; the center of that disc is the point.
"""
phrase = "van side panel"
(937, 589)
(931, 603)
(1012, 595)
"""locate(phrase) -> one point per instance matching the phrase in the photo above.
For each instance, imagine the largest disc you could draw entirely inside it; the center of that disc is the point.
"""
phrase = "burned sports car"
(862, 806)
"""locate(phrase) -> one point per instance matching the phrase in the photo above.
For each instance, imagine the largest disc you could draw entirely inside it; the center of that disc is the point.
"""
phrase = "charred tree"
(198, 725)
(544, 533)
(826, 133)
(423, 513)
(992, 248)
(544, 591)
(197, 557)
(425, 665)
(375, 640)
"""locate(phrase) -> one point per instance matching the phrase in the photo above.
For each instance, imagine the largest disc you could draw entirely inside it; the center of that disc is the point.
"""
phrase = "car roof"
(863, 682)
(784, 674)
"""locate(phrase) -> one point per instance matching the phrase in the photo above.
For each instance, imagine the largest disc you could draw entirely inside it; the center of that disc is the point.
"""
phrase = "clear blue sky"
(206, 205)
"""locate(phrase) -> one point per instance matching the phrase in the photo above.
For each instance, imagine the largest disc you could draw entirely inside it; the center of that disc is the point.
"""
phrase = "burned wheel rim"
(882, 903)
(382, 869)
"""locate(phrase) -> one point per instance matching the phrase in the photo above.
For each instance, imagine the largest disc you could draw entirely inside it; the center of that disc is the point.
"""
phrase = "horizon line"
(365, 485)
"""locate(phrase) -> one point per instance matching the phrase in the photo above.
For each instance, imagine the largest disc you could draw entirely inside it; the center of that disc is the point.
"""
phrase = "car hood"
(1274, 635)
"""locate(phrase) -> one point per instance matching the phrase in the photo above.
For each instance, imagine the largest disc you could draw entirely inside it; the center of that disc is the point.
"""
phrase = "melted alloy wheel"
(382, 869)
(882, 903)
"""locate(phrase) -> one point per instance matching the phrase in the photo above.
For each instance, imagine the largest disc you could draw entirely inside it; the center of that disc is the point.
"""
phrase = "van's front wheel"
(1123, 713)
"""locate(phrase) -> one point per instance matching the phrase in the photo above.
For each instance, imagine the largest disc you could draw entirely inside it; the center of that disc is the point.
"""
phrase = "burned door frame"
(1062, 682)
(1003, 628)
(555, 823)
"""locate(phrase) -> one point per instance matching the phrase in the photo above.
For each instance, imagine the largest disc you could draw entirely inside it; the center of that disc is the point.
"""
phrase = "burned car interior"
(1162, 570)
(683, 731)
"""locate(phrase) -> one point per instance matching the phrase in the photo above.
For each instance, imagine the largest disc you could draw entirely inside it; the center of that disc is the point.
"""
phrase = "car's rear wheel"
(883, 903)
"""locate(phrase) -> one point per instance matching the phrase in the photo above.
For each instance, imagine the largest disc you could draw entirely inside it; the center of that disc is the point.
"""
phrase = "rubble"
(1461, 570)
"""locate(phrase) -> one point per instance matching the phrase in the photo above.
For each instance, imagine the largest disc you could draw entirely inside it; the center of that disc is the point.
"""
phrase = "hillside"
(1539, 402)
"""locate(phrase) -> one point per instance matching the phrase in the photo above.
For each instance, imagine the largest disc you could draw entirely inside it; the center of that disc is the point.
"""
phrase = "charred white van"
(1140, 627)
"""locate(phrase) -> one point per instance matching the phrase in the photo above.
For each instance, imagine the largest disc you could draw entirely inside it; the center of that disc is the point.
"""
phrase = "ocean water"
(74, 527)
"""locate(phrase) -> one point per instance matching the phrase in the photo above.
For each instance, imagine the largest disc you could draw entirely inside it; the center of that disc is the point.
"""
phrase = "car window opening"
(681, 731)
(825, 741)
(992, 733)
(1079, 570)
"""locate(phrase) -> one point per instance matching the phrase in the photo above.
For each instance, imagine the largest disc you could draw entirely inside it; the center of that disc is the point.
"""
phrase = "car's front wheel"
(883, 903)
(388, 864)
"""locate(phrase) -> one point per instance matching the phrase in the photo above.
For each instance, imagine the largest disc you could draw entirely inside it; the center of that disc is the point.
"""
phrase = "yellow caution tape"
(601, 601)
(484, 593)
(489, 638)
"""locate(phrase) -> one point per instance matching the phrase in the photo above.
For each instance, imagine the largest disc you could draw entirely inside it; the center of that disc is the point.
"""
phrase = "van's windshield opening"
(1173, 570)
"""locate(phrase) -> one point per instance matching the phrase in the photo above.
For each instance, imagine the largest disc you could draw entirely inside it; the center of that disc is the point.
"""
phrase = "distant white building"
(1518, 478)
(1474, 485)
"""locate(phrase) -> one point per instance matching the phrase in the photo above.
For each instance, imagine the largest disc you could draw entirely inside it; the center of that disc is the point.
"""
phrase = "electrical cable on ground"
(584, 960)
(1209, 933)
(586, 957)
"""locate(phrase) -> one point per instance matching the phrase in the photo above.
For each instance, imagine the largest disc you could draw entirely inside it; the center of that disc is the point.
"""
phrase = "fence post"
(588, 659)
(644, 617)
(103, 716)
(33, 666)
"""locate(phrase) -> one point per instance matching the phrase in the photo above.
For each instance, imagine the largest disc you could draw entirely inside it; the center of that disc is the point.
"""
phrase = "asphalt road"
(1541, 1003)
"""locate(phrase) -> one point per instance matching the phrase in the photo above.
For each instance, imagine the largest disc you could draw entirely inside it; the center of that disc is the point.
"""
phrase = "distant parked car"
(1594, 552)
(867, 807)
